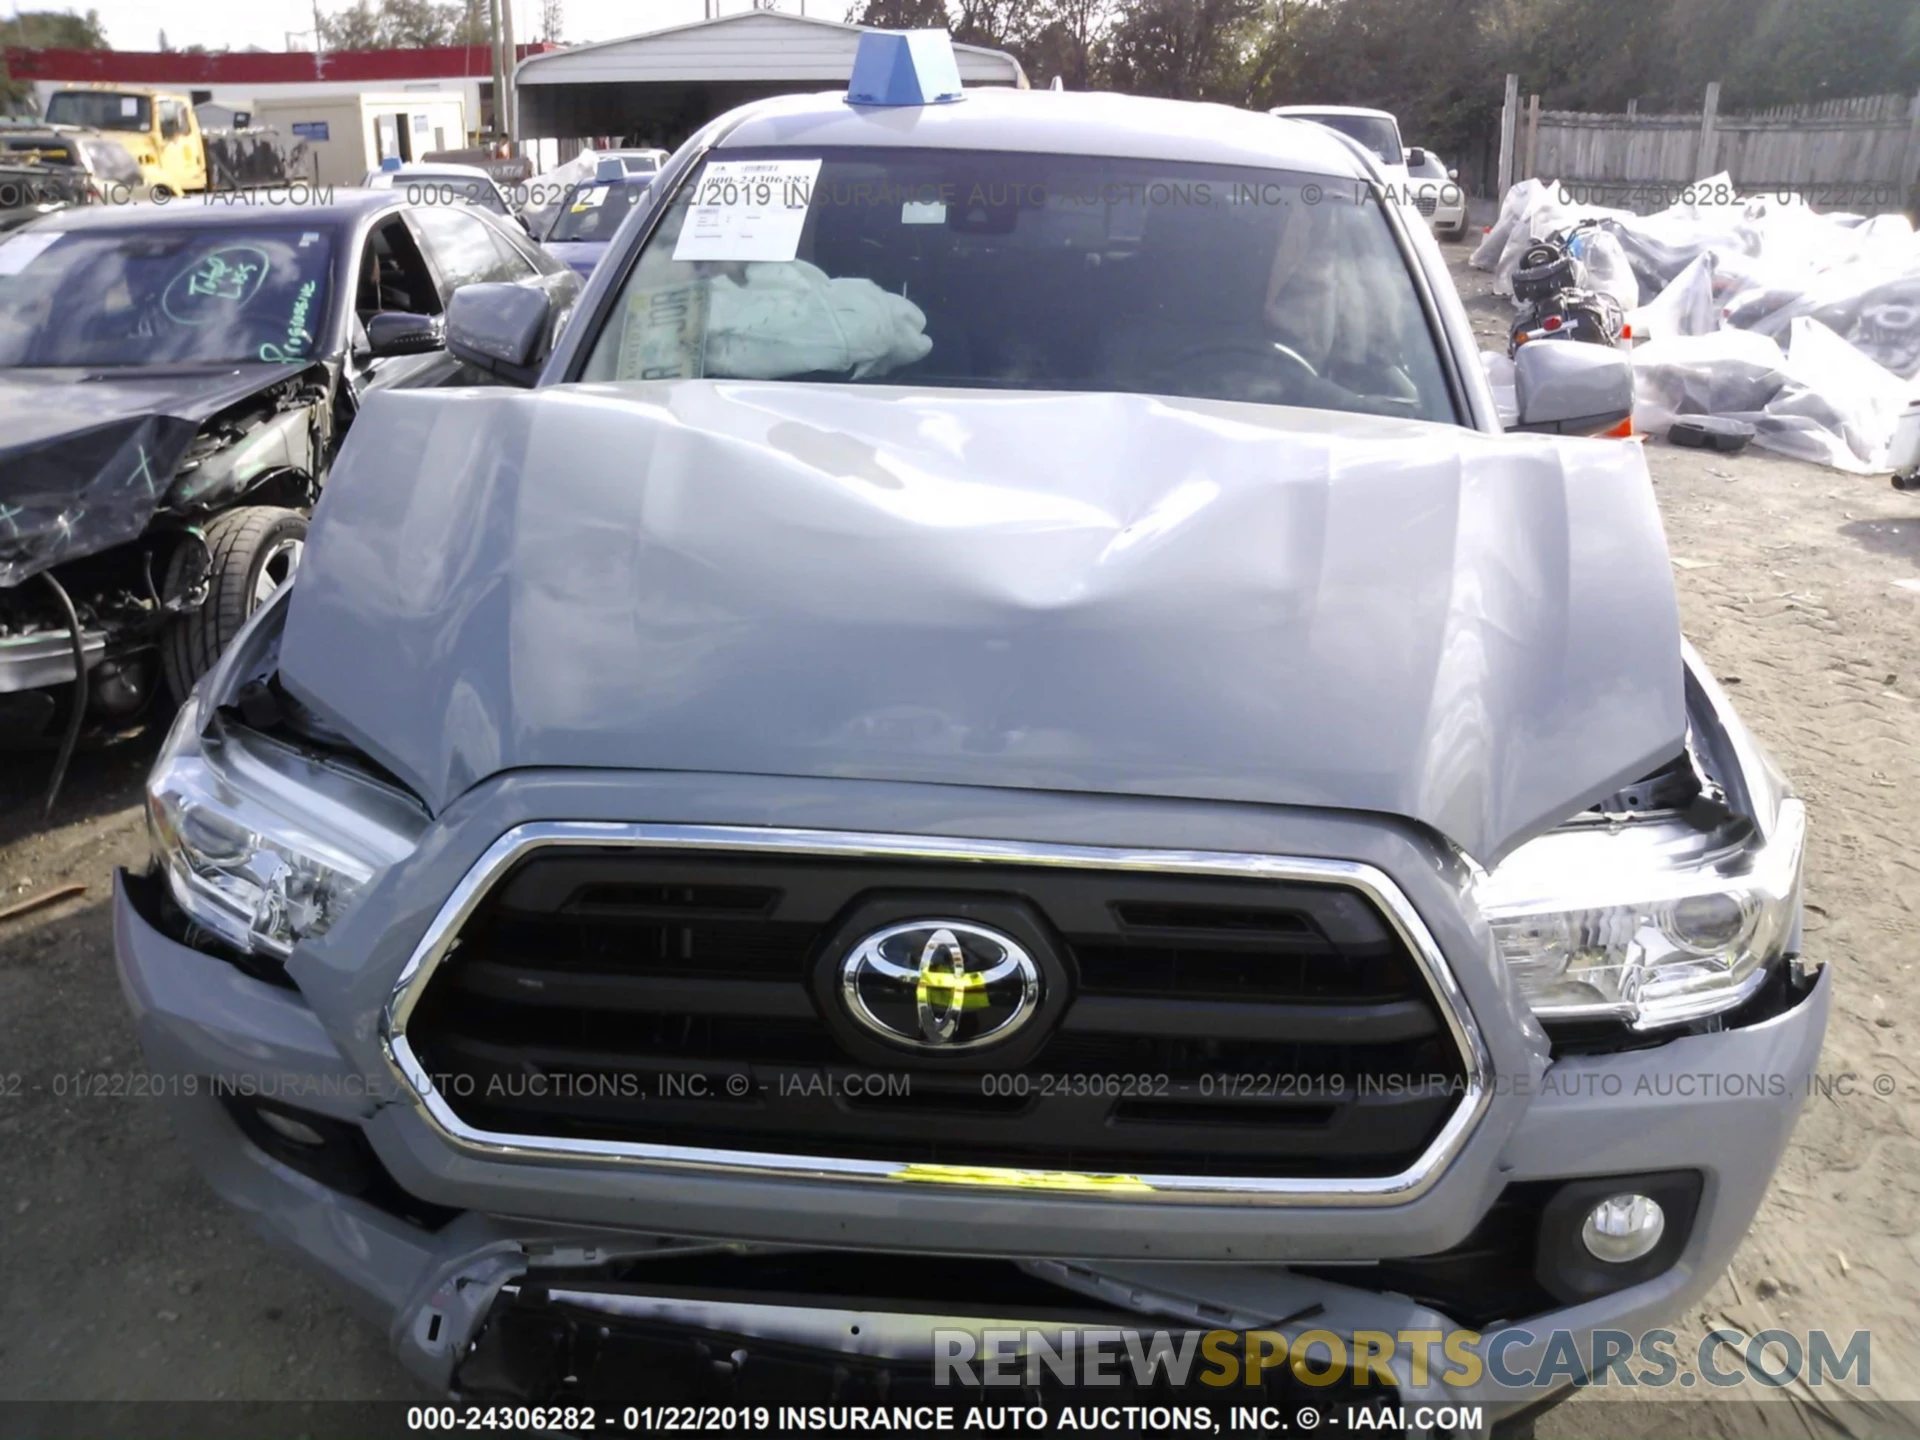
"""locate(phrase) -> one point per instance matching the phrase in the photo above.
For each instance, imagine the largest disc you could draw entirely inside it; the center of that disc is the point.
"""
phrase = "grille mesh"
(1212, 1027)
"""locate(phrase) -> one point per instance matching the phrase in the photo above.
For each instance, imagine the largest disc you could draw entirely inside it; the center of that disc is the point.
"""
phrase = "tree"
(401, 25)
(900, 15)
(1182, 49)
(552, 12)
(43, 30)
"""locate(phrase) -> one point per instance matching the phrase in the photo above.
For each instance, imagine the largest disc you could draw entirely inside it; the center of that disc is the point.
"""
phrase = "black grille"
(1214, 1026)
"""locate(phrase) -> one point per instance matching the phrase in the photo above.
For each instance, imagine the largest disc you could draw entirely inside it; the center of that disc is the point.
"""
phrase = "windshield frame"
(603, 296)
(343, 241)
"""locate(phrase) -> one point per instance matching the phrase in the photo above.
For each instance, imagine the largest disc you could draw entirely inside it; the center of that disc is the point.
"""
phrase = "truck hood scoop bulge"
(1104, 593)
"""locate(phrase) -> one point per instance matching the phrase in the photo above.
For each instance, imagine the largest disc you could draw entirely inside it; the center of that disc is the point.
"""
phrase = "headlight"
(1651, 923)
(265, 844)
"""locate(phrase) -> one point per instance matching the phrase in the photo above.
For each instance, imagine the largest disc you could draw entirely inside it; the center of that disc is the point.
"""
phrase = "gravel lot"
(1801, 586)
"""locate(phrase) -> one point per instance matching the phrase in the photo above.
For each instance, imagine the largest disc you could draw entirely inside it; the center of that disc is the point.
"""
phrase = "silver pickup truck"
(1000, 730)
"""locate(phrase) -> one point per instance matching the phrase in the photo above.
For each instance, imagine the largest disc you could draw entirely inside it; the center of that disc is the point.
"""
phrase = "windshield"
(1377, 133)
(100, 110)
(1029, 272)
(423, 187)
(159, 296)
(594, 210)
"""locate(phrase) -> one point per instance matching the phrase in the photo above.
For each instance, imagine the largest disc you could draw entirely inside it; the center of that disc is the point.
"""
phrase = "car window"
(393, 275)
(1039, 272)
(1380, 136)
(163, 295)
(593, 211)
(466, 249)
(100, 110)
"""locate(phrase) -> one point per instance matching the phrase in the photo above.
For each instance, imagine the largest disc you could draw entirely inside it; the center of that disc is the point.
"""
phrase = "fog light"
(1623, 1227)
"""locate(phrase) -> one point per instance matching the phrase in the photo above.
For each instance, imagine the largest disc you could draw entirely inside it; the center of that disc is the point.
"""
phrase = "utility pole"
(510, 56)
(499, 69)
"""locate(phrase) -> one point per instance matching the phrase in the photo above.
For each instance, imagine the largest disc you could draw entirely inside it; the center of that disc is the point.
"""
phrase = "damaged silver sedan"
(1000, 739)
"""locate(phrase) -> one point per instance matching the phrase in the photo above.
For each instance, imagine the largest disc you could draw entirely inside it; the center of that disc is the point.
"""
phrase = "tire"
(251, 549)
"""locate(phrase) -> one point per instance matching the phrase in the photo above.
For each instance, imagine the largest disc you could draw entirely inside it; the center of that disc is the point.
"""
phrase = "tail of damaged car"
(1004, 700)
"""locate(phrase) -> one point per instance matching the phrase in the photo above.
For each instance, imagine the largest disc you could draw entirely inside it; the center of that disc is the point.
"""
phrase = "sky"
(236, 24)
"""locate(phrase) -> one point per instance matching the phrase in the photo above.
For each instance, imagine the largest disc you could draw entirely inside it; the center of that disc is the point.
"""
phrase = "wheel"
(251, 551)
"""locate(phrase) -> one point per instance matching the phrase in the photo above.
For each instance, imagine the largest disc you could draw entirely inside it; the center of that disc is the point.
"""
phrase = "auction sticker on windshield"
(748, 210)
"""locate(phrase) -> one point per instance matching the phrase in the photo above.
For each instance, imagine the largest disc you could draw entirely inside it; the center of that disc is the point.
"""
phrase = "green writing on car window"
(299, 338)
(219, 281)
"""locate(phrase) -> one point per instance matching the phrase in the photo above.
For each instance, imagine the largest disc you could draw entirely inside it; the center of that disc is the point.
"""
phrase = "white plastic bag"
(1685, 307)
(1826, 402)
(1604, 261)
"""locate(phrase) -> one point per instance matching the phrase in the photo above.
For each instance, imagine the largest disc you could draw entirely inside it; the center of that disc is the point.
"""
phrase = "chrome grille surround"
(1374, 884)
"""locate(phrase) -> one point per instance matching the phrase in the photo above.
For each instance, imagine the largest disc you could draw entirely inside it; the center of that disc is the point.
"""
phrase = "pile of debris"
(1804, 325)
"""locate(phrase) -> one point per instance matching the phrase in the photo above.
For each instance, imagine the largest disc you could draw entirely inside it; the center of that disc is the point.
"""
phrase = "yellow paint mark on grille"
(1022, 1179)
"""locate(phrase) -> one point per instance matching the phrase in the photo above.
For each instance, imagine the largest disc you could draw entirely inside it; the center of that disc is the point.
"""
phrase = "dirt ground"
(124, 1278)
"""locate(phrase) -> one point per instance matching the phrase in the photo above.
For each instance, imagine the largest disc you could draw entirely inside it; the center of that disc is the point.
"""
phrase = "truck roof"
(1050, 122)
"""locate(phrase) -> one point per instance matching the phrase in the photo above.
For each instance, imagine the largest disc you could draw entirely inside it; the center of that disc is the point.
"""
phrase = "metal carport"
(657, 88)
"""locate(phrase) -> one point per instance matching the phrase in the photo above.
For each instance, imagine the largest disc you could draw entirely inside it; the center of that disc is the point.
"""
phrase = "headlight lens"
(1650, 923)
(264, 844)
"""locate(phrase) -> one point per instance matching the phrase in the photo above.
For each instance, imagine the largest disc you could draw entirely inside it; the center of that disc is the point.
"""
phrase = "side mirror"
(1453, 174)
(501, 329)
(1416, 157)
(395, 332)
(1568, 387)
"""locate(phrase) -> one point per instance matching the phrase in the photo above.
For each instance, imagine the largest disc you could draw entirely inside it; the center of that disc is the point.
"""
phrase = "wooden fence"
(1861, 154)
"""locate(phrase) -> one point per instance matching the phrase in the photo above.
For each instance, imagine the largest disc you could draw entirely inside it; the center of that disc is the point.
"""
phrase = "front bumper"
(319, 1048)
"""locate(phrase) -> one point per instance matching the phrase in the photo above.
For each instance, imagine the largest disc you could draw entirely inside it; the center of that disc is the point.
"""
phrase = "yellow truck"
(158, 126)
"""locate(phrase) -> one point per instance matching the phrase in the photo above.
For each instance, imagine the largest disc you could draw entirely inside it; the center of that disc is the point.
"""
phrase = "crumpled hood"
(84, 463)
(1070, 592)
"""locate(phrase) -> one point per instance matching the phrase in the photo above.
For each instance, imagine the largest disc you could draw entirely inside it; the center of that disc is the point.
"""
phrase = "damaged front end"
(104, 529)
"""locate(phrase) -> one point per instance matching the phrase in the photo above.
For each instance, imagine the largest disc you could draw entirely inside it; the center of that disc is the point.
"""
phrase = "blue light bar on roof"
(904, 67)
(390, 164)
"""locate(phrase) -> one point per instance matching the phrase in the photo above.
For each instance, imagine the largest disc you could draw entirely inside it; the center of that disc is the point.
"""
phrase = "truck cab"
(157, 126)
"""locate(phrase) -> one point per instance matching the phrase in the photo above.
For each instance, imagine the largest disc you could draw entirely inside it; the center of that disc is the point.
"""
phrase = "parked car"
(1437, 194)
(158, 127)
(1001, 629)
(590, 215)
(1377, 130)
(425, 183)
(174, 383)
(638, 162)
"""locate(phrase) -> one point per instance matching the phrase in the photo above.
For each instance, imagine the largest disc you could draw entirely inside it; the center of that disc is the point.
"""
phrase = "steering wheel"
(1271, 354)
